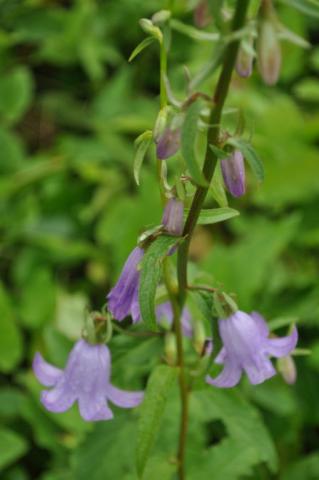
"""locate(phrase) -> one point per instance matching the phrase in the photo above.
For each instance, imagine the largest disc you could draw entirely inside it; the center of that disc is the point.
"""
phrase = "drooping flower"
(164, 316)
(233, 169)
(123, 298)
(168, 143)
(85, 379)
(173, 217)
(247, 346)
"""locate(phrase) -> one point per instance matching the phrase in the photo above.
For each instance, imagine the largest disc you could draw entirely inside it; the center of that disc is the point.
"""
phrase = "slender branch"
(213, 136)
(129, 333)
(198, 200)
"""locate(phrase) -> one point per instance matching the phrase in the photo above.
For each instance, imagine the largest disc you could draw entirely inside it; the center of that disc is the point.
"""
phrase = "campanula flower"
(247, 346)
(85, 379)
(123, 298)
(233, 169)
(173, 217)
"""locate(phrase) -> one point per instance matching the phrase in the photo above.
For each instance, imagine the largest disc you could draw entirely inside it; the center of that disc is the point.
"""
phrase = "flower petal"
(46, 373)
(281, 347)
(261, 323)
(59, 399)
(220, 358)
(124, 399)
(94, 409)
(228, 378)
(259, 370)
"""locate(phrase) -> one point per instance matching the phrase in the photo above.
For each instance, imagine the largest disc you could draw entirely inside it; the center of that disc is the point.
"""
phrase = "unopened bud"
(245, 58)
(286, 366)
(233, 169)
(151, 29)
(173, 217)
(168, 143)
(268, 46)
(208, 347)
(170, 348)
(161, 16)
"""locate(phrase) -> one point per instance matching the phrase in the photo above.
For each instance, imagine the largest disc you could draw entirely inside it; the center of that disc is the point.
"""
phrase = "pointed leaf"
(140, 47)
(143, 142)
(150, 276)
(188, 138)
(152, 410)
(215, 215)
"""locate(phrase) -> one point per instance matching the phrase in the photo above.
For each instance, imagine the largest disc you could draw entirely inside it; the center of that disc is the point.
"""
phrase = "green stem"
(198, 200)
(213, 136)
(163, 72)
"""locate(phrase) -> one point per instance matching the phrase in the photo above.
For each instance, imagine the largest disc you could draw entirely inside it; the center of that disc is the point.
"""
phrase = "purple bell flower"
(233, 169)
(246, 346)
(168, 143)
(173, 217)
(164, 314)
(123, 298)
(85, 379)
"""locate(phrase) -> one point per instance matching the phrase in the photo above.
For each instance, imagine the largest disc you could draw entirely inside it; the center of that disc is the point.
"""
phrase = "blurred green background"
(70, 108)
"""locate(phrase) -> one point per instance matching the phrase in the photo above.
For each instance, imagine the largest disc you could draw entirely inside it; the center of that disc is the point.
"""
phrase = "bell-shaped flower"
(85, 379)
(247, 347)
(123, 298)
(233, 169)
(164, 316)
(173, 217)
(168, 143)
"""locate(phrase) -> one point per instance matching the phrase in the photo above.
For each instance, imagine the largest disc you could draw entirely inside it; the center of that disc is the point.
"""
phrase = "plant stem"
(198, 200)
(213, 136)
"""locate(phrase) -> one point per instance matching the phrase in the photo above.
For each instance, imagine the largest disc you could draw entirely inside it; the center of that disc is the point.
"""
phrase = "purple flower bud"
(123, 298)
(173, 217)
(233, 169)
(269, 52)
(168, 143)
(244, 62)
(85, 379)
(246, 347)
(202, 17)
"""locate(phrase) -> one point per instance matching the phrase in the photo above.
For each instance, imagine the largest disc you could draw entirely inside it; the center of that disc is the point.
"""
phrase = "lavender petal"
(124, 399)
(46, 373)
(281, 347)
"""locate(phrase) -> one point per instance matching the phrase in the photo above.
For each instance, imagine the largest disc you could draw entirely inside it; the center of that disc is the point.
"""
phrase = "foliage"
(70, 108)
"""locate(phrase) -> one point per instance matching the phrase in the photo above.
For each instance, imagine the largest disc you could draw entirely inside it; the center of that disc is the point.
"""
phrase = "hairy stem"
(198, 200)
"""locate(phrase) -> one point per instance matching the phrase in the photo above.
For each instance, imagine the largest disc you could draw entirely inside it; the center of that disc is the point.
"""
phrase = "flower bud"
(168, 143)
(245, 57)
(233, 170)
(208, 347)
(199, 337)
(173, 217)
(268, 47)
(170, 348)
(287, 368)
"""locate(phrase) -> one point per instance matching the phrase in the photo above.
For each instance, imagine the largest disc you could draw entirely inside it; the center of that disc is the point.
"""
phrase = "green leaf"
(38, 299)
(188, 138)
(10, 337)
(217, 187)
(141, 150)
(248, 442)
(110, 447)
(140, 47)
(150, 275)
(15, 93)
(308, 7)
(215, 215)
(12, 447)
(152, 410)
(250, 155)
